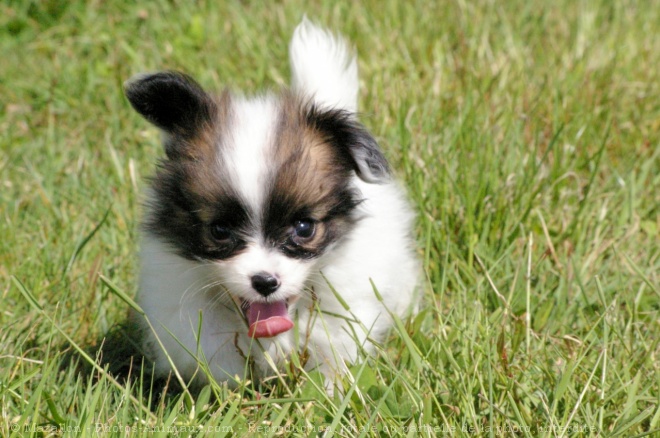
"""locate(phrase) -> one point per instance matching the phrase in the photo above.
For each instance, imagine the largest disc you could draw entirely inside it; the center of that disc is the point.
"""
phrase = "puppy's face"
(259, 187)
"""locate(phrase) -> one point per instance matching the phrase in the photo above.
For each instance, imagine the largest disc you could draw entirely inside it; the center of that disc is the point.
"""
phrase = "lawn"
(526, 133)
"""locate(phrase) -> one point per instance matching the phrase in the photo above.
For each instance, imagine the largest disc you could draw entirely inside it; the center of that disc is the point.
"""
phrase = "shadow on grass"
(120, 354)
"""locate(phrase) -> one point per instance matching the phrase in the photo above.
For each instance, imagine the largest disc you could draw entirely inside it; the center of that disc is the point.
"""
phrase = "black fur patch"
(173, 102)
(281, 213)
(185, 218)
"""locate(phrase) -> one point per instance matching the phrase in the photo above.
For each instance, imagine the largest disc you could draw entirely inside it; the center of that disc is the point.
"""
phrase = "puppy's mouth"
(266, 320)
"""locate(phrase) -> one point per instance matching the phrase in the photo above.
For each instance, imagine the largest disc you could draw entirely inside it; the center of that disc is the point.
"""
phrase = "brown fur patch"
(310, 181)
(308, 167)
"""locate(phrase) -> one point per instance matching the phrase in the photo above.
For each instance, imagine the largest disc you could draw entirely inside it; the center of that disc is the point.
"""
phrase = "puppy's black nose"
(264, 283)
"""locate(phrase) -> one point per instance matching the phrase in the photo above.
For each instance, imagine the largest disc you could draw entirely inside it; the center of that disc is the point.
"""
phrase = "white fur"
(323, 67)
(174, 292)
(246, 149)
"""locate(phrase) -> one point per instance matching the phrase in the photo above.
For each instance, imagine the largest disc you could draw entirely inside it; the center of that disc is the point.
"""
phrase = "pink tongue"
(268, 319)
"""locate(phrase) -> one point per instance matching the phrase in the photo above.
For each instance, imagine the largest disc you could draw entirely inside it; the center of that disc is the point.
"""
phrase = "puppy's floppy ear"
(172, 101)
(352, 140)
(371, 163)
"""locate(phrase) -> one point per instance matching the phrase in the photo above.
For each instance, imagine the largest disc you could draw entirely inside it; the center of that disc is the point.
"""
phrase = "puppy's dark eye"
(303, 230)
(221, 234)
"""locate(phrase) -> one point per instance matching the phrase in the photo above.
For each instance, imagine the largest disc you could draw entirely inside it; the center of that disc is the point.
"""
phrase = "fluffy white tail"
(323, 67)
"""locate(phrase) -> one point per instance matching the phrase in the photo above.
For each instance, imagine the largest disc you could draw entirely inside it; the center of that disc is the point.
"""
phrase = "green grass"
(526, 132)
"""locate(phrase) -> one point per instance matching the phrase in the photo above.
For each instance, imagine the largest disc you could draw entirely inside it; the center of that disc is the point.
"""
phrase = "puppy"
(272, 224)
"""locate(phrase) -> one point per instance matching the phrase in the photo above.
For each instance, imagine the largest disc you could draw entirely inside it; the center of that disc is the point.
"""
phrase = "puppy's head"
(261, 188)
